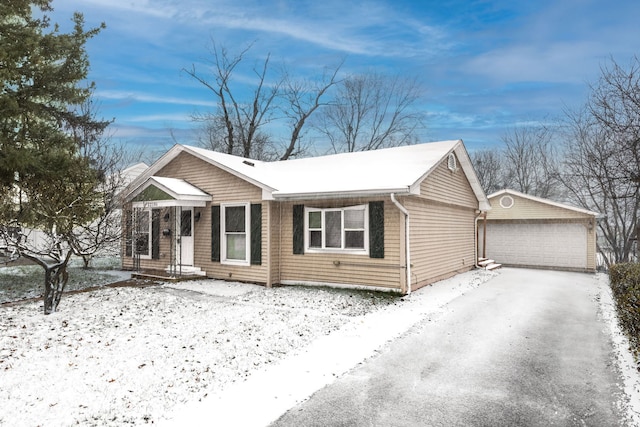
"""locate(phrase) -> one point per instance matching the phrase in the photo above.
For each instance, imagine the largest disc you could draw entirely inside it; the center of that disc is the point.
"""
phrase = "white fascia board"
(341, 194)
(170, 204)
(472, 177)
(267, 194)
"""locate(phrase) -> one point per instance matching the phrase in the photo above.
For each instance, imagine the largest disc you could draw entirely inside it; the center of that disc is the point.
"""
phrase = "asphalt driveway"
(526, 348)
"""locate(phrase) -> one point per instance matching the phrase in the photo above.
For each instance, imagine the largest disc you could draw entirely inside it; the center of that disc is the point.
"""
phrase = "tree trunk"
(55, 280)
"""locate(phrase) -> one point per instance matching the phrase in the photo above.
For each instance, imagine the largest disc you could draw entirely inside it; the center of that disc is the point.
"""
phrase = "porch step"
(488, 264)
(185, 270)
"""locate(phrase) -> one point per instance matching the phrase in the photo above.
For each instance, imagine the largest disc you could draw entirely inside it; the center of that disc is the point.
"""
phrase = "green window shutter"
(376, 229)
(256, 234)
(298, 229)
(215, 233)
(155, 234)
(128, 233)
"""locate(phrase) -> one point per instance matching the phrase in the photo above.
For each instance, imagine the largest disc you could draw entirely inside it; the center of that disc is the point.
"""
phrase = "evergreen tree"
(46, 183)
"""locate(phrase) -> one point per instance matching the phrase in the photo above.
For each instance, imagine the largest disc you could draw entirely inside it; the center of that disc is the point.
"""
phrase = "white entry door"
(185, 242)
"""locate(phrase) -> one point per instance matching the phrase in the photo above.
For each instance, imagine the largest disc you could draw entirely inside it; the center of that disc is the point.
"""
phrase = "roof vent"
(506, 202)
(248, 163)
(451, 162)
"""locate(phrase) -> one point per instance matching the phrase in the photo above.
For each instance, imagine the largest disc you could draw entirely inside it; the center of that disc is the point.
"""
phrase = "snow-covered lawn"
(170, 354)
(130, 355)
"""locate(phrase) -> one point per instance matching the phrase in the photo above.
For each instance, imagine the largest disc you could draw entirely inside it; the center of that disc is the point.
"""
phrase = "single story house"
(391, 219)
(528, 231)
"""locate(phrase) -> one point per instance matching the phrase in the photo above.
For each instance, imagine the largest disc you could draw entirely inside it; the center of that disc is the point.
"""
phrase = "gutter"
(406, 240)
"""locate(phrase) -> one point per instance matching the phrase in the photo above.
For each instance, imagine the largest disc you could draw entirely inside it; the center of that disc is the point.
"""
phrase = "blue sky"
(486, 66)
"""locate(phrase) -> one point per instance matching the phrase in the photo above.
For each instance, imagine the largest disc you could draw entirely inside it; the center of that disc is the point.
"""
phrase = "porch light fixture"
(196, 216)
(166, 217)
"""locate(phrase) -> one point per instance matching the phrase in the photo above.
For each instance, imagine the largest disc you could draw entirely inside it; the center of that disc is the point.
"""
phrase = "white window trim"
(223, 235)
(507, 202)
(343, 250)
(134, 222)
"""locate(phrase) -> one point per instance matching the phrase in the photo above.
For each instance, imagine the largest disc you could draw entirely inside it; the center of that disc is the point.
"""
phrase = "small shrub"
(625, 286)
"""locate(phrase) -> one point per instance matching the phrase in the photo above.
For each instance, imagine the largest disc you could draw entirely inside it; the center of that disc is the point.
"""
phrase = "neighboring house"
(528, 231)
(393, 219)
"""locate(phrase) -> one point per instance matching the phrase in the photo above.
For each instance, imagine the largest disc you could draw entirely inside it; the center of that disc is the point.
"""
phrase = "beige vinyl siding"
(274, 246)
(442, 238)
(223, 186)
(591, 249)
(217, 270)
(352, 269)
(530, 209)
(442, 230)
(447, 186)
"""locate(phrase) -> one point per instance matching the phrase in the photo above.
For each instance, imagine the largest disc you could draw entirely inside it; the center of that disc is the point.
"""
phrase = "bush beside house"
(625, 284)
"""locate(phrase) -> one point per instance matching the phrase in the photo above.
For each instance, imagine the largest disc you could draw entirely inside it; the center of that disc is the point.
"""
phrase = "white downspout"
(475, 239)
(406, 240)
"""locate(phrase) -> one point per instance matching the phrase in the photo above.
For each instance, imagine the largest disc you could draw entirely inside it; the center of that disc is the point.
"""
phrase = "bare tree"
(489, 166)
(236, 126)
(240, 126)
(601, 169)
(303, 98)
(530, 161)
(372, 111)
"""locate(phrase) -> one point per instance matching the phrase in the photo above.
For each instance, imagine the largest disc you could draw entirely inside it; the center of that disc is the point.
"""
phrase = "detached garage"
(527, 231)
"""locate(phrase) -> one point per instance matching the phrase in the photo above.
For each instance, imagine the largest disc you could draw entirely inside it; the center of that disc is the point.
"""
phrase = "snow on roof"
(132, 172)
(178, 187)
(377, 171)
(365, 173)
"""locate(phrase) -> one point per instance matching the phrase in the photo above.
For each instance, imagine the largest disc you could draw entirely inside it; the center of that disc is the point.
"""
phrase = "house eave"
(196, 203)
(340, 194)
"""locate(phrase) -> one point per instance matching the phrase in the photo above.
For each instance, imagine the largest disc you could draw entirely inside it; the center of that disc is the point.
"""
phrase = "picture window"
(337, 229)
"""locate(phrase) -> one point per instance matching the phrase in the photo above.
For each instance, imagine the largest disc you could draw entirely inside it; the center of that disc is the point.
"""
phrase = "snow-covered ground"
(183, 353)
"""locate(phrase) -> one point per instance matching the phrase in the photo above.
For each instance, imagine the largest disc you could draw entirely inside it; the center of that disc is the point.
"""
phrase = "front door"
(185, 242)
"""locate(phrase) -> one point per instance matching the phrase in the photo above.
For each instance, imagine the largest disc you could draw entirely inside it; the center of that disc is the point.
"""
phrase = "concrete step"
(185, 270)
(483, 262)
(488, 264)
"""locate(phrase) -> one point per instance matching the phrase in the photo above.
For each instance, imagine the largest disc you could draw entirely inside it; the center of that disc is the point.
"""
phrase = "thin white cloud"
(144, 97)
(154, 118)
(373, 30)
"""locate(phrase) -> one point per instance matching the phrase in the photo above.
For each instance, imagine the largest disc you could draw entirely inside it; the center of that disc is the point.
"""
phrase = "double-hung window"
(235, 228)
(337, 229)
(142, 232)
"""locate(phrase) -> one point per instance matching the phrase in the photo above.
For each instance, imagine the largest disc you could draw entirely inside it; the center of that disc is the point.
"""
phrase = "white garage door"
(543, 245)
